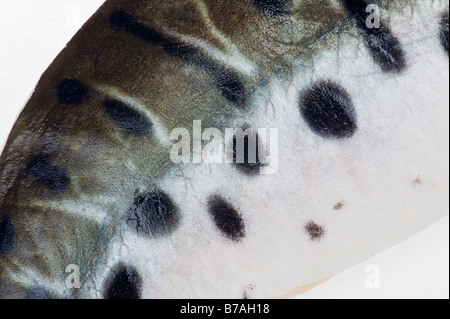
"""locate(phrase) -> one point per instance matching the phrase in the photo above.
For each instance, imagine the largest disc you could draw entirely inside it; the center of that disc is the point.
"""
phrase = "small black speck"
(338, 206)
(314, 231)
(418, 181)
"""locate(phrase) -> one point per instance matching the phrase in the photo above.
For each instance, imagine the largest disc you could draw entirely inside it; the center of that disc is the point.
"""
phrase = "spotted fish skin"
(87, 162)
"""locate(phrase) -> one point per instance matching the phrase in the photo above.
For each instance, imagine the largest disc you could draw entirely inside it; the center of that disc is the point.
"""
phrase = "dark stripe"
(52, 176)
(227, 81)
(443, 31)
(384, 47)
(127, 118)
(272, 7)
(226, 218)
(6, 236)
(123, 283)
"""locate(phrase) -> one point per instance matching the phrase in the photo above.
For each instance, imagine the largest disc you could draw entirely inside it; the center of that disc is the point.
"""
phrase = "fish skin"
(62, 138)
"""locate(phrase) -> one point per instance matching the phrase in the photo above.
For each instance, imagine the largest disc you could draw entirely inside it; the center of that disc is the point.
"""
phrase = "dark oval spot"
(126, 118)
(443, 31)
(71, 91)
(123, 283)
(328, 110)
(338, 206)
(384, 47)
(314, 231)
(153, 214)
(245, 152)
(226, 218)
(6, 236)
(272, 7)
(38, 293)
(53, 177)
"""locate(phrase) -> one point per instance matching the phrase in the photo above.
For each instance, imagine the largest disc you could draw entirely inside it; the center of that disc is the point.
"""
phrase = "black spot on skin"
(418, 181)
(227, 82)
(314, 231)
(72, 91)
(443, 31)
(249, 166)
(6, 236)
(153, 215)
(384, 47)
(328, 110)
(123, 283)
(126, 118)
(272, 7)
(226, 218)
(38, 293)
(338, 206)
(53, 177)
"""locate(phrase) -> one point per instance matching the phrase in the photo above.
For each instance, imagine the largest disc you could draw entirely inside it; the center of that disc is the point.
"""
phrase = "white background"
(33, 32)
